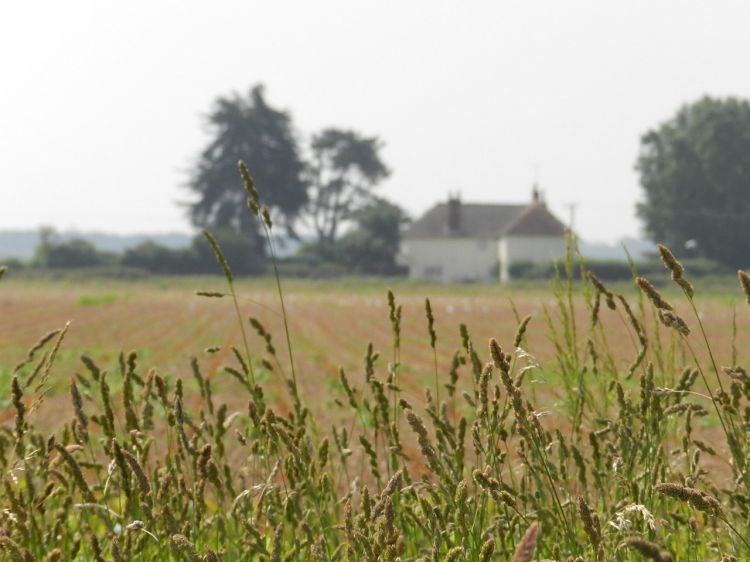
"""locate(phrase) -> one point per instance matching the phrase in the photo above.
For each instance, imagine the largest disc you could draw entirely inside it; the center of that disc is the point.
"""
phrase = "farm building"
(458, 242)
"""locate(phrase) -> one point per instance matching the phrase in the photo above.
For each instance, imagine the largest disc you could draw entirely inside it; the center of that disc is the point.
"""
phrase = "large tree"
(344, 168)
(372, 245)
(247, 128)
(695, 170)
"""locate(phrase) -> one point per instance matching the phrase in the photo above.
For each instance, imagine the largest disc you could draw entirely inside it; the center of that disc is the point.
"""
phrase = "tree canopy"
(54, 253)
(695, 171)
(372, 246)
(247, 128)
(239, 249)
(318, 191)
(345, 167)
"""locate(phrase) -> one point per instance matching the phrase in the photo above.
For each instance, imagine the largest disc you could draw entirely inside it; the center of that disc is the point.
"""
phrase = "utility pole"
(571, 214)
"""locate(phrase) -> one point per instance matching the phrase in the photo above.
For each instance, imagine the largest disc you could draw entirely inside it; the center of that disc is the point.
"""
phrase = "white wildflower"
(622, 523)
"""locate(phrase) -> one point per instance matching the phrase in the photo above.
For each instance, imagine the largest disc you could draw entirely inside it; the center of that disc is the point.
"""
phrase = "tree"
(156, 258)
(695, 170)
(52, 253)
(371, 247)
(247, 129)
(243, 256)
(47, 238)
(345, 168)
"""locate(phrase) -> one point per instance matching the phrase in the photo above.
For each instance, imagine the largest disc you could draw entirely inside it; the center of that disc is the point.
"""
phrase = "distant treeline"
(367, 250)
(148, 257)
(360, 251)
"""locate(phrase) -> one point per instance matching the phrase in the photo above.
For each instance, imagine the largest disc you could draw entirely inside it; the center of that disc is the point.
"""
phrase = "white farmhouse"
(458, 242)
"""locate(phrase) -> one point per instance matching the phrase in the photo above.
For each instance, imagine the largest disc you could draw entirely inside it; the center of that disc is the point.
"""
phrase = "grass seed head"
(182, 545)
(220, 259)
(744, 283)
(75, 470)
(602, 290)
(17, 399)
(647, 549)
(496, 352)
(266, 216)
(253, 198)
(276, 547)
(696, 498)
(430, 322)
(525, 548)
(140, 474)
(454, 554)
(75, 396)
(590, 522)
(673, 320)
(521, 332)
(670, 262)
(653, 295)
(488, 548)
(686, 286)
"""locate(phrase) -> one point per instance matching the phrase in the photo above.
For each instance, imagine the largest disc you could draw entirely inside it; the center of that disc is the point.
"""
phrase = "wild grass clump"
(644, 460)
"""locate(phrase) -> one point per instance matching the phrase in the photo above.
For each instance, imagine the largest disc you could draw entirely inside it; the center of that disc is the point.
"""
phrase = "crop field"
(590, 429)
(331, 322)
(166, 323)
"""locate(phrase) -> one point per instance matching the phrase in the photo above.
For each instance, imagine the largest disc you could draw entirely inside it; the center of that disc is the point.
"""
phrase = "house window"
(433, 271)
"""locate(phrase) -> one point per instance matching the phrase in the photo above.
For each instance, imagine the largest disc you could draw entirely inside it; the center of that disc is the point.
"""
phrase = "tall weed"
(615, 465)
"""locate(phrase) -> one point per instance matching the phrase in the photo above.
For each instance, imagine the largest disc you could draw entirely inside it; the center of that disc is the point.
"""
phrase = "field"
(331, 322)
(587, 474)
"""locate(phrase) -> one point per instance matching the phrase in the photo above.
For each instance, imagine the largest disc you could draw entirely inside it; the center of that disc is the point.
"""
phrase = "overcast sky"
(102, 103)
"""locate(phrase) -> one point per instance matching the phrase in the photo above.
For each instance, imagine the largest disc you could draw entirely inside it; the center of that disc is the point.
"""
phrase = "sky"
(103, 104)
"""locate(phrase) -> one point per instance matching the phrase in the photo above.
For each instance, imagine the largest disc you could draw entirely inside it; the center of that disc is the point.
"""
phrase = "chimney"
(537, 196)
(454, 213)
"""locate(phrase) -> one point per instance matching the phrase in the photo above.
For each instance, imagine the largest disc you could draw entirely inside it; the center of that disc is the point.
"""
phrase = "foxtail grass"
(613, 459)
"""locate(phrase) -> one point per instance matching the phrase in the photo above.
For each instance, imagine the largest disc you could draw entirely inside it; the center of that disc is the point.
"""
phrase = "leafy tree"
(47, 238)
(70, 254)
(695, 170)
(247, 128)
(156, 258)
(345, 168)
(371, 247)
(244, 254)
(244, 257)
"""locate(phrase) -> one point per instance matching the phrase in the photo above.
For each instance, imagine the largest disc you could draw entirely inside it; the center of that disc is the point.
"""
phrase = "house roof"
(535, 220)
(485, 221)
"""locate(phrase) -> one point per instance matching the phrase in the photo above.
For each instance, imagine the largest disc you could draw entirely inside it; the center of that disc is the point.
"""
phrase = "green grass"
(209, 487)
(97, 300)
(600, 461)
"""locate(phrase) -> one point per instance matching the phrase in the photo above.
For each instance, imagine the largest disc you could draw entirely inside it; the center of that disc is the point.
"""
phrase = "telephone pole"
(571, 214)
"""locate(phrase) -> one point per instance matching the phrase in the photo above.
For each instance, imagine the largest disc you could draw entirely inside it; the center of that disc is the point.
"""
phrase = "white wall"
(450, 259)
(519, 249)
